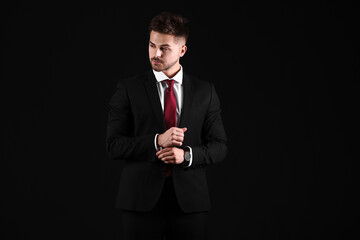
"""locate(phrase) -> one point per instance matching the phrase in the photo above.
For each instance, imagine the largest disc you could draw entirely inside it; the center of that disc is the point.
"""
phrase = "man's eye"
(164, 49)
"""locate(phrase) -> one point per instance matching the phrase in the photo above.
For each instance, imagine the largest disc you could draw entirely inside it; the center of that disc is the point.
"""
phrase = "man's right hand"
(173, 137)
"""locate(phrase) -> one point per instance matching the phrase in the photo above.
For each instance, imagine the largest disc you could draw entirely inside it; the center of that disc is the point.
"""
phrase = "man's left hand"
(171, 155)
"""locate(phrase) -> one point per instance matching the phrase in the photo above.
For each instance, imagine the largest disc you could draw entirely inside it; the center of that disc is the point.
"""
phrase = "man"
(166, 126)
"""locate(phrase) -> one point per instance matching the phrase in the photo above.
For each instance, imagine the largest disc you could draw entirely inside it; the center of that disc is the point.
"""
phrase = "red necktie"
(170, 105)
(169, 113)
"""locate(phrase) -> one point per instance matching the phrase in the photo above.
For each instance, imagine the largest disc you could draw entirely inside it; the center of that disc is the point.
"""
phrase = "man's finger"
(176, 143)
(179, 134)
(168, 159)
(182, 130)
(165, 154)
(161, 151)
(178, 138)
(178, 131)
(164, 150)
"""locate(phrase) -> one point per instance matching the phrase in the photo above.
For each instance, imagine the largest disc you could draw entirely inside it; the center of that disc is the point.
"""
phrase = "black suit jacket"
(135, 117)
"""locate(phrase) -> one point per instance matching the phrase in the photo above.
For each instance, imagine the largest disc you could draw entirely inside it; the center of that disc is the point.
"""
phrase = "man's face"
(165, 51)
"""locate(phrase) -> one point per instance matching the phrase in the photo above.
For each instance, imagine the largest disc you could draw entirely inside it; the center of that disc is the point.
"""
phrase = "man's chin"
(156, 68)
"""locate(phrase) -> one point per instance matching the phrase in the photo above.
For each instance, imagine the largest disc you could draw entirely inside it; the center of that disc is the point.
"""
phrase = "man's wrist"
(158, 141)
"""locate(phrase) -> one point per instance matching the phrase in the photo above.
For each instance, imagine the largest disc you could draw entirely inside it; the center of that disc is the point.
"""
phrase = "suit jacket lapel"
(187, 101)
(153, 96)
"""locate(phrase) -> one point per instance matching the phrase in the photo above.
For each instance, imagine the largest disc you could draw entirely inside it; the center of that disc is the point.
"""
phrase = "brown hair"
(170, 23)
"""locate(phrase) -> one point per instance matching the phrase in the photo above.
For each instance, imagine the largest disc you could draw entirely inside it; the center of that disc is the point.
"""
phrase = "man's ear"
(183, 50)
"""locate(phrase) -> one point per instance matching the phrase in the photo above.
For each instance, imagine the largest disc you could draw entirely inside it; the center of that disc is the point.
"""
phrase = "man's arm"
(213, 149)
(214, 139)
(120, 142)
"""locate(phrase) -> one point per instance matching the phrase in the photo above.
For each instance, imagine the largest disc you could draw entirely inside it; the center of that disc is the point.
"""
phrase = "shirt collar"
(160, 76)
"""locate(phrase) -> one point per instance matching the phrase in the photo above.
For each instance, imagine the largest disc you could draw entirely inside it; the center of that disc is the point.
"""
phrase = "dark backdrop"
(288, 79)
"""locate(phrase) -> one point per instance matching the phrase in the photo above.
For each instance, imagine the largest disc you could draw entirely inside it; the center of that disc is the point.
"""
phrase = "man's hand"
(171, 138)
(171, 155)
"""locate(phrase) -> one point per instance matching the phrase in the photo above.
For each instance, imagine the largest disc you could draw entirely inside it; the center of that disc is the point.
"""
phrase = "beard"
(161, 66)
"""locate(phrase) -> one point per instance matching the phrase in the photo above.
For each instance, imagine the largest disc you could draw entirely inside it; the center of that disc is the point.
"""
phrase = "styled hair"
(170, 23)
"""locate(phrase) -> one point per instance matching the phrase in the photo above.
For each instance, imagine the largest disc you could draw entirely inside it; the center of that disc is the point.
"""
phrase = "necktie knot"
(170, 84)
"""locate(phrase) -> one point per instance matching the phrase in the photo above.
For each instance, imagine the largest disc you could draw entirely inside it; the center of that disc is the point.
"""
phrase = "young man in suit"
(166, 127)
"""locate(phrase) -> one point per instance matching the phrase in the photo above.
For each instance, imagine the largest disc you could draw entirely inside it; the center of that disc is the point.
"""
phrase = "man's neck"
(171, 72)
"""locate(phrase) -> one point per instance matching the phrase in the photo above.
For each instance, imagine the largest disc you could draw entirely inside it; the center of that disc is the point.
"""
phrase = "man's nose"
(158, 53)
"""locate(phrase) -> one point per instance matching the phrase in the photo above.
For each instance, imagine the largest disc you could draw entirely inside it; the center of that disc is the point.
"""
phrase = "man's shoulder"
(197, 82)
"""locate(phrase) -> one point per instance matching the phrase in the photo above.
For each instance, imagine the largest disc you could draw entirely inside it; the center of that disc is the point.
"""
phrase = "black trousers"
(165, 221)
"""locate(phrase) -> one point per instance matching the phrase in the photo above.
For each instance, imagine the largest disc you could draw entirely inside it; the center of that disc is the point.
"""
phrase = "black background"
(288, 79)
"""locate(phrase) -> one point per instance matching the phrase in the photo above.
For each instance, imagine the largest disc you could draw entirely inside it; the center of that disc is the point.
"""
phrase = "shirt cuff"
(155, 143)
(191, 157)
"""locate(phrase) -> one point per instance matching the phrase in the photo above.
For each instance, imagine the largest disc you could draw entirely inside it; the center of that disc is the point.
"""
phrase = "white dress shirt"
(178, 91)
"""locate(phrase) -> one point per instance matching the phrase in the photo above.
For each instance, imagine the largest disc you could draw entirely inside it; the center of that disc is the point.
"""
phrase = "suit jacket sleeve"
(213, 148)
(120, 142)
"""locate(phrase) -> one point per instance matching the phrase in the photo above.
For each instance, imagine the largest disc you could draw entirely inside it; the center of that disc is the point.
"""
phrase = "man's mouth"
(156, 61)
